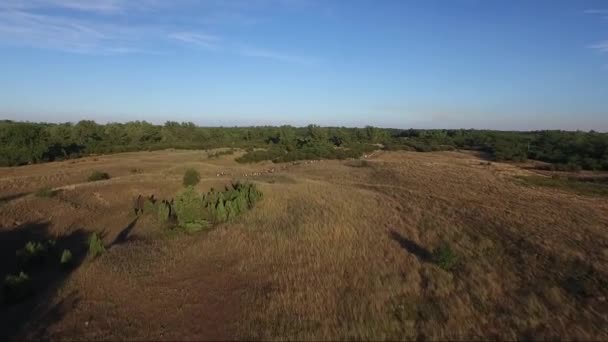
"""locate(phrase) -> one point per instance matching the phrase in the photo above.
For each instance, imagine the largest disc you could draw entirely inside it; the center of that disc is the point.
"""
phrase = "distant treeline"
(23, 143)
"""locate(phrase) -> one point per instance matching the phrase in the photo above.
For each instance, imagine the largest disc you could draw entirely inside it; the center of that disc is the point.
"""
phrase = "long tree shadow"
(28, 310)
(123, 236)
(411, 247)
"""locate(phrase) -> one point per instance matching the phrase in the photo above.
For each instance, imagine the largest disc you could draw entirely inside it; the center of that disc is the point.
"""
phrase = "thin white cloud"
(601, 46)
(196, 38)
(277, 56)
(108, 7)
(101, 28)
(596, 11)
(68, 34)
(101, 6)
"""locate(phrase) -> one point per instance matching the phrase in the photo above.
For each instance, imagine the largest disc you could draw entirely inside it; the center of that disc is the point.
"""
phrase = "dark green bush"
(191, 177)
(45, 192)
(98, 175)
(444, 257)
(194, 212)
(221, 214)
(96, 246)
(189, 209)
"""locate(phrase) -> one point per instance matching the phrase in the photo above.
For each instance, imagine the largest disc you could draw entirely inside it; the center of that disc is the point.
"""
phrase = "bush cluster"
(34, 253)
(33, 257)
(226, 205)
(194, 212)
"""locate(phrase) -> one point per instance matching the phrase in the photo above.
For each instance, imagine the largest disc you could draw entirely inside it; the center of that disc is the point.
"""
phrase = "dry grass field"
(335, 250)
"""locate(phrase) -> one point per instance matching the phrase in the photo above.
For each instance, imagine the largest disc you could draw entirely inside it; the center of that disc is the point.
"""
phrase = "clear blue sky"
(425, 64)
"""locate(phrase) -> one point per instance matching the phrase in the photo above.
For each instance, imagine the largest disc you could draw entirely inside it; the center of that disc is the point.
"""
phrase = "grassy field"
(404, 245)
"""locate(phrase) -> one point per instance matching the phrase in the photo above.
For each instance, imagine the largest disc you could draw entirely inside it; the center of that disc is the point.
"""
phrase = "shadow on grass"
(8, 198)
(123, 236)
(411, 247)
(30, 314)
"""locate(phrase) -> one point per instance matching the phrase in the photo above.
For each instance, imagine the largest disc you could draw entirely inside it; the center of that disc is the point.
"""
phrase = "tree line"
(24, 142)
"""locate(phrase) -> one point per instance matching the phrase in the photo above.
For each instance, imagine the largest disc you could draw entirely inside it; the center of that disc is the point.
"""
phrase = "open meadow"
(401, 245)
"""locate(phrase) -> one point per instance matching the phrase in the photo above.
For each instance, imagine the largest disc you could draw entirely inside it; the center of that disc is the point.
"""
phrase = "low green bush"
(163, 212)
(96, 246)
(98, 175)
(45, 192)
(191, 177)
(444, 257)
(66, 257)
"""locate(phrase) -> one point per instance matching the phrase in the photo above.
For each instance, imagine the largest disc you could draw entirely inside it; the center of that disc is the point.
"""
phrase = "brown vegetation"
(403, 246)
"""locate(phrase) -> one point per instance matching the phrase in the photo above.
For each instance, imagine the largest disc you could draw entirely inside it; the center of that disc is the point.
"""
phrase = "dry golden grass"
(331, 252)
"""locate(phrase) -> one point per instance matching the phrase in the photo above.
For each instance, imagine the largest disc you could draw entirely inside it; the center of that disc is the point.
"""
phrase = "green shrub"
(444, 257)
(66, 257)
(253, 195)
(17, 287)
(231, 211)
(96, 247)
(220, 211)
(241, 202)
(136, 170)
(163, 212)
(149, 207)
(45, 192)
(193, 227)
(98, 175)
(191, 177)
(189, 207)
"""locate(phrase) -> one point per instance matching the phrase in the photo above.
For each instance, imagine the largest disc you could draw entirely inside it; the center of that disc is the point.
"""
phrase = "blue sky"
(393, 63)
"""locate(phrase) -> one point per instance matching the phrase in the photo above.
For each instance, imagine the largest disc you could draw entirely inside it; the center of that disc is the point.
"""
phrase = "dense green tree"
(22, 143)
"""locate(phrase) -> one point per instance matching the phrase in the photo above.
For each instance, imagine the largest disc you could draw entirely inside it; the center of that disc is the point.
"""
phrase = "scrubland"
(403, 245)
